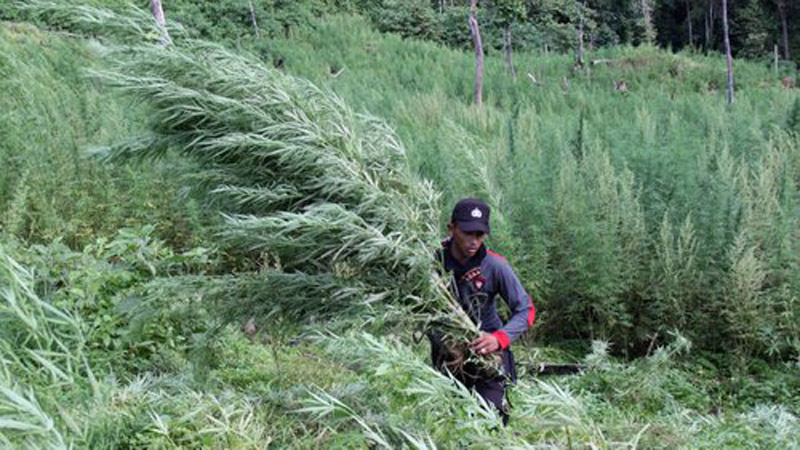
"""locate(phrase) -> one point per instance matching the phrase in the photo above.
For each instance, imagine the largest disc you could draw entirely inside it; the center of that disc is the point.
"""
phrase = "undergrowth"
(353, 389)
(657, 224)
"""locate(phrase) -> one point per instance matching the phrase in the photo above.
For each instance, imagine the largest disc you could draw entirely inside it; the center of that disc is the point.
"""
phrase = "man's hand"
(485, 344)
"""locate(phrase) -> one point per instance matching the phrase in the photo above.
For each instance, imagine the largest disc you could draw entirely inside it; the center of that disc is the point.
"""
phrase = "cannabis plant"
(322, 197)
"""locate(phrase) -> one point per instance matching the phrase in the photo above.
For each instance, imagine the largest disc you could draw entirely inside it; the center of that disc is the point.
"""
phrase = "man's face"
(465, 243)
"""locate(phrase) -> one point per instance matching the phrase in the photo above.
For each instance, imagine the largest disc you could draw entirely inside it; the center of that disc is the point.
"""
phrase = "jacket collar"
(458, 269)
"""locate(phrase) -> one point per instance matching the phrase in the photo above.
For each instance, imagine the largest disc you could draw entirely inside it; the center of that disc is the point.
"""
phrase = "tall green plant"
(323, 191)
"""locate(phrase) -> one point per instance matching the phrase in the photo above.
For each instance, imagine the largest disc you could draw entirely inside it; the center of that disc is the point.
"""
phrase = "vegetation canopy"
(210, 243)
(323, 194)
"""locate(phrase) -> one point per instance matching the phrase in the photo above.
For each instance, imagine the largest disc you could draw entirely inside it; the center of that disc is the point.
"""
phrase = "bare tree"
(506, 14)
(709, 24)
(158, 13)
(647, 21)
(476, 39)
(775, 60)
(581, 52)
(728, 56)
(253, 19)
(689, 22)
(507, 50)
(781, 4)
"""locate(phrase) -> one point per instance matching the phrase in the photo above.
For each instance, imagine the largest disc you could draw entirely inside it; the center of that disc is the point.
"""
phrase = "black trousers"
(490, 386)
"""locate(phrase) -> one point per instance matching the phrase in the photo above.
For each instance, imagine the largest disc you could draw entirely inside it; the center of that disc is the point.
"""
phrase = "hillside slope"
(644, 217)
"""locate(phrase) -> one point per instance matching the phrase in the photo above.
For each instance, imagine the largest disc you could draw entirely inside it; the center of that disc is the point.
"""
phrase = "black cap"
(471, 214)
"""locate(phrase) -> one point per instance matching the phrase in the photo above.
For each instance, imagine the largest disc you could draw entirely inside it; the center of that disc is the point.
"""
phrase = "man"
(478, 277)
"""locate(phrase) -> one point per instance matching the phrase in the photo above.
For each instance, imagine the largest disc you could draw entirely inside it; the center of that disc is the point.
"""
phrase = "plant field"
(230, 244)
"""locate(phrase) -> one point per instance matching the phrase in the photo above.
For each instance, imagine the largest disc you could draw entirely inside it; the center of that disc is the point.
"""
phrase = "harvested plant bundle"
(325, 192)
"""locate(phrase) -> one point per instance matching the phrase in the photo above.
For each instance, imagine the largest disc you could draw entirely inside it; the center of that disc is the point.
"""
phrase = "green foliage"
(597, 240)
(98, 284)
(633, 227)
(756, 25)
(647, 256)
(793, 121)
(320, 189)
(49, 115)
(232, 20)
(752, 28)
(353, 389)
(628, 215)
(509, 11)
(116, 19)
(413, 18)
(61, 337)
(454, 28)
(37, 341)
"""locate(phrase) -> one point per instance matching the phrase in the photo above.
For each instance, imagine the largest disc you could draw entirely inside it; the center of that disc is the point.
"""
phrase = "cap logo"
(476, 213)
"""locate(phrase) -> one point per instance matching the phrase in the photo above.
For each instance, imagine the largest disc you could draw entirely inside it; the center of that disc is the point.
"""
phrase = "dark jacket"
(477, 283)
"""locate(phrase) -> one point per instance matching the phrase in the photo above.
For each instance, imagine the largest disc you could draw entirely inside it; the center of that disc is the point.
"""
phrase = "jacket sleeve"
(523, 313)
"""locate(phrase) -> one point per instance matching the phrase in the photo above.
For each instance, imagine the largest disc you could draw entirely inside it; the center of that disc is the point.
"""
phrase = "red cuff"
(502, 338)
(531, 312)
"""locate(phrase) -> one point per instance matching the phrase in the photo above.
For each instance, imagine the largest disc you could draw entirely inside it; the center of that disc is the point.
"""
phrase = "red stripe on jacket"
(531, 311)
(502, 337)
(493, 253)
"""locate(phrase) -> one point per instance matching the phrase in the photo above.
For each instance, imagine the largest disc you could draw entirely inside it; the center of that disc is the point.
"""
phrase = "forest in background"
(757, 27)
(656, 226)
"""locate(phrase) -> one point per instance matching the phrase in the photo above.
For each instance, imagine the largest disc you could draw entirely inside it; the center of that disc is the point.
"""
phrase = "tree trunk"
(647, 17)
(784, 30)
(508, 49)
(158, 13)
(775, 53)
(709, 22)
(253, 19)
(689, 22)
(476, 39)
(579, 56)
(728, 56)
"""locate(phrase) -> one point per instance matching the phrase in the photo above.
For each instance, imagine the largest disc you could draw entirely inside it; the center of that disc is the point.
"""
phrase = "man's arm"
(523, 313)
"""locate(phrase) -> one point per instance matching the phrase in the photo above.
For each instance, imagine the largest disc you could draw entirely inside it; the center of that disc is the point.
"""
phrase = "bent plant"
(322, 193)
